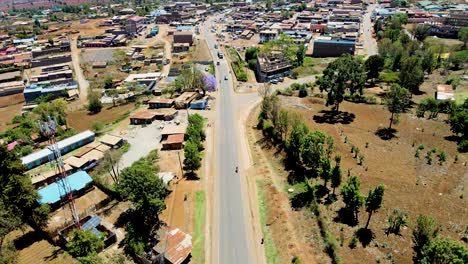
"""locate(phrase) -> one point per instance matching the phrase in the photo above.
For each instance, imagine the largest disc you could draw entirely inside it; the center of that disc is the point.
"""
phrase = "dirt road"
(83, 84)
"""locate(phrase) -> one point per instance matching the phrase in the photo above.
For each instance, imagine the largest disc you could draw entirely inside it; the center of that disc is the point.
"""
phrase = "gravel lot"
(143, 139)
(94, 55)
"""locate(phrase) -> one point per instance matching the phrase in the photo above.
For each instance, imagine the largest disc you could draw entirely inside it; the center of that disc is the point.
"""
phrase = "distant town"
(323, 131)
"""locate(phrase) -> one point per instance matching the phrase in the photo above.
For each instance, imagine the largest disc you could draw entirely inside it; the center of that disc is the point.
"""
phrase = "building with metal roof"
(54, 193)
(40, 157)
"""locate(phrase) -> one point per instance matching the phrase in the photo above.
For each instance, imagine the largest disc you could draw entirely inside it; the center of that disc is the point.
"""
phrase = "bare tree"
(264, 90)
(111, 164)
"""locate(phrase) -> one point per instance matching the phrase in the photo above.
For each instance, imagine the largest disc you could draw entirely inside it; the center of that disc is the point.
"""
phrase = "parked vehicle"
(274, 81)
(225, 78)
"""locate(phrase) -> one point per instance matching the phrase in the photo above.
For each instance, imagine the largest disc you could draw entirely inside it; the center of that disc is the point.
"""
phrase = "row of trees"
(194, 142)
(18, 200)
(308, 154)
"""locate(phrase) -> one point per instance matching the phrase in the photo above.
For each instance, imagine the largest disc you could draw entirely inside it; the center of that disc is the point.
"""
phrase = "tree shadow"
(295, 176)
(27, 240)
(123, 219)
(345, 217)
(333, 117)
(321, 192)
(54, 254)
(365, 236)
(191, 176)
(453, 138)
(385, 133)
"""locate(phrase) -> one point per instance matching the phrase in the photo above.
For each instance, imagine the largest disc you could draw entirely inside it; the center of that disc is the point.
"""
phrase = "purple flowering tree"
(210, 82)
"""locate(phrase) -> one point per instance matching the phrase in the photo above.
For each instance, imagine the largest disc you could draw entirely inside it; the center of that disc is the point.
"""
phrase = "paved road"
(369, 43)
(82, 82)
(229, 211)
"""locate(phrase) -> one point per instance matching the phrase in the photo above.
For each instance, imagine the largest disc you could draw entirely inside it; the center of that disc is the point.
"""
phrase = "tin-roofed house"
(160, 103)
(174, 247)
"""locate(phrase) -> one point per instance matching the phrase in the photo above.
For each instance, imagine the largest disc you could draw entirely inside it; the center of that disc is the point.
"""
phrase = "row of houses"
(91, 153)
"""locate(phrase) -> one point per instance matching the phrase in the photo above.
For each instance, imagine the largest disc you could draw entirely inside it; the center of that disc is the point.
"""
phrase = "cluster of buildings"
(50, 72)
(444, 19)
(331, 29)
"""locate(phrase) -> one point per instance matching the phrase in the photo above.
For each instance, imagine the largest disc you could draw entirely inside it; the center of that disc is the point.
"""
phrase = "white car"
(225, 78)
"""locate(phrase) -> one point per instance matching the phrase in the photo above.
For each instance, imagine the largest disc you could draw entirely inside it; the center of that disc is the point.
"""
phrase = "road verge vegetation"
(198, 235)
(238, 65)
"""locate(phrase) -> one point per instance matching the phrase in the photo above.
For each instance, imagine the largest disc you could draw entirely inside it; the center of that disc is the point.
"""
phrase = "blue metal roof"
(52, 193)
(92, 223)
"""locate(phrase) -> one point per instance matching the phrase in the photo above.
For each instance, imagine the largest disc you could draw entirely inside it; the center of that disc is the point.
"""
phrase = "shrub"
(442, 157)
(353, 242)
(421, 147)
(463, 146)
(303, 92)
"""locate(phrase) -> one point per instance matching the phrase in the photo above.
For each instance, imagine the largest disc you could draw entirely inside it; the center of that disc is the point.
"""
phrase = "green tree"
(300, 55)
(108, 83)
(374, 65)
(428, 62)
(336, 177)
(313, 149)
(458, 58)
(374, 201)
(444, 250)
(8, 253)
(411, 74)
(344, 73)
(139, 184)
(397, 101)
(94, 105)
(192, 156)
(420, 32)
(459, 122)
(55, 109)
(463, 35)
(424, 231)
(325, 170)
(352, 197)
(84, 243)
(294, 145)
(18, 196)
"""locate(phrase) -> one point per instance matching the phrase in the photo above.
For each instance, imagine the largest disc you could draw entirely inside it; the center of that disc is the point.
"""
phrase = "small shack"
(174, 245)
(444, 92)
(172, 137)
(166, 114)
(143, 118)
(199, 104)
(184, 100)
(112, 141)
(160, 103)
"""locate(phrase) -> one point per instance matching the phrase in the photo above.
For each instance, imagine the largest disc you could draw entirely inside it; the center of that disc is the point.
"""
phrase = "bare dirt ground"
(34, 249)
(180, 203)
(411, 184)
(82, 120)
(9, 107)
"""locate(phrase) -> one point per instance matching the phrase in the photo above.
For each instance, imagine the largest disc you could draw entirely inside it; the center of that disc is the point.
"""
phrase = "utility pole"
(180, 164)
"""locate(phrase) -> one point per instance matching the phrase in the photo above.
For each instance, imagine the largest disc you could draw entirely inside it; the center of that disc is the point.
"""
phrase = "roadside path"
(83, 84)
